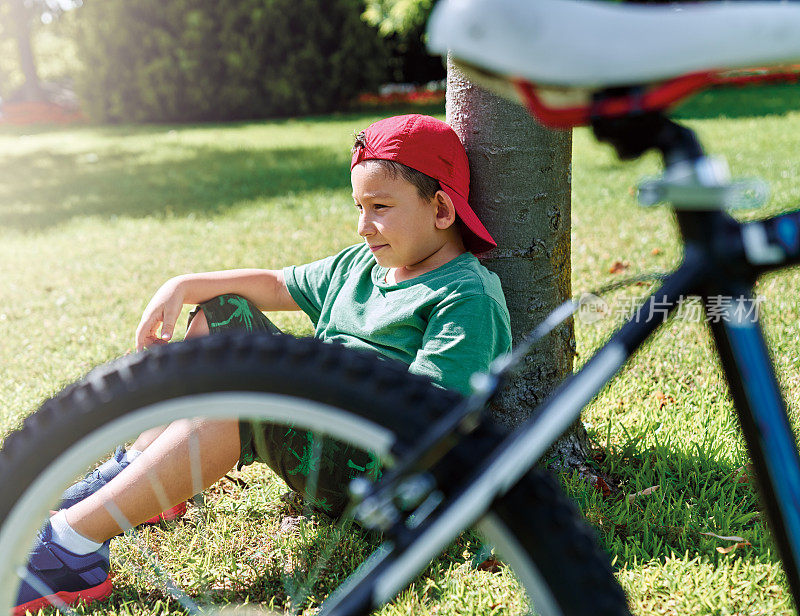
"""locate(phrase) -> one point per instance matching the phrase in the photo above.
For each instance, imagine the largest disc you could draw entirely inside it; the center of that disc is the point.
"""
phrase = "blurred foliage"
(402, 24)
(202, 60)
(409, 60)
(397, 16)
(55, 48)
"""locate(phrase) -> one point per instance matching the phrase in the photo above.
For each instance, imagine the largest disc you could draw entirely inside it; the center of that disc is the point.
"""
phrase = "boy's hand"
(163, 310)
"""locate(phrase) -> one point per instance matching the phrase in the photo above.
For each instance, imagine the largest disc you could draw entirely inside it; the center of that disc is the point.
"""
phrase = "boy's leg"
(166, 474)
(187, 457)
(177, 461)
(111, 468)
(71, 556)
(198, 326)
(319, 472)
(171, 472)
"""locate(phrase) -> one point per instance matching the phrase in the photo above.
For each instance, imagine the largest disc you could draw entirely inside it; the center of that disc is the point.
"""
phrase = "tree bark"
(521, 188)
(32, 88)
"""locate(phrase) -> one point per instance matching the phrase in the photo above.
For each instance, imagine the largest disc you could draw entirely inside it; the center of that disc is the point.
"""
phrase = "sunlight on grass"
(93, 220)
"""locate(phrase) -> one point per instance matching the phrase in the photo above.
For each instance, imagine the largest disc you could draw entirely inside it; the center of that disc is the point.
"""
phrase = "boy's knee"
(229, 312)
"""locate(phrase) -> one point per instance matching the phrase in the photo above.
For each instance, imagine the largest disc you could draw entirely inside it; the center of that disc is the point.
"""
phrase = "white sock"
(70, 539)
(131, 455)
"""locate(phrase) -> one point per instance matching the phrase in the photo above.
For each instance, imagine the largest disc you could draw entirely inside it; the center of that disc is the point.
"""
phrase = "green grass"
(93, 220)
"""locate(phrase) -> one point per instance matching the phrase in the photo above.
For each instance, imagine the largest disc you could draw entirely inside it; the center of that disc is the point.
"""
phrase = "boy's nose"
(365, 226)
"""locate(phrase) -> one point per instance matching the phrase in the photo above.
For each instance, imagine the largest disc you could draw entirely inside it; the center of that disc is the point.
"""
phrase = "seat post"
(633, 135)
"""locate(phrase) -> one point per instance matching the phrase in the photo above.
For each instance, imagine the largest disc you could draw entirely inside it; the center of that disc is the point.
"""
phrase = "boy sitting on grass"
(412, 291)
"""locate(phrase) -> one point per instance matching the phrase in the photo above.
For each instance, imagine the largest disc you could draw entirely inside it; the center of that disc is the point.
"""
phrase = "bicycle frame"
(722, 257)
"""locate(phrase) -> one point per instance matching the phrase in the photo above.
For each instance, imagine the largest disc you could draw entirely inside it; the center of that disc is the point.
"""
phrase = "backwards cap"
(431, 147)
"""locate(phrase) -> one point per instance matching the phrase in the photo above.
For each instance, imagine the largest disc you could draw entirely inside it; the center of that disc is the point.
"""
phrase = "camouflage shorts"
(291, 453)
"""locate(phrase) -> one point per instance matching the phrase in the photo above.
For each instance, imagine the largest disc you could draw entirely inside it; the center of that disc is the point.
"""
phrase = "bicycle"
(430, 439)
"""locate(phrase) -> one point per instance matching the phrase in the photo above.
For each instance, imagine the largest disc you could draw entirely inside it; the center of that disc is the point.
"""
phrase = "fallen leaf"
(492, 565)
(645, 492)
(602, 486)
(236, 480)
(655, 251)
(663, 399)
(618, 266)
(731, 548)
(743, 473)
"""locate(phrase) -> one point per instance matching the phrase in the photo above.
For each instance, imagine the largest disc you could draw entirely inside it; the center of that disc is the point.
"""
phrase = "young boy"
(412, 291)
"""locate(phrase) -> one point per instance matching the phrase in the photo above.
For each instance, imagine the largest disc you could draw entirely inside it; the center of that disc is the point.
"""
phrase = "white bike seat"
(580, 44)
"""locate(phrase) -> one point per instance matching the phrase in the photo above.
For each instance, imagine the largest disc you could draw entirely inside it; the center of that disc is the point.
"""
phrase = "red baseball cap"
(433, 148)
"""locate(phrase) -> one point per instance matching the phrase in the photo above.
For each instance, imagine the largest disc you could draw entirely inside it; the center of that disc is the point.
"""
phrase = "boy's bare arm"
(265, 288)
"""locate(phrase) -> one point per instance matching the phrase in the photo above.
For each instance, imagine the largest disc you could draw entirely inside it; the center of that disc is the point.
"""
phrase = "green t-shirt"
(445, 324)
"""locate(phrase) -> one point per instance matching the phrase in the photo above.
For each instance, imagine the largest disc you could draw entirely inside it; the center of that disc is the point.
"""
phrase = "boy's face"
(398, 225)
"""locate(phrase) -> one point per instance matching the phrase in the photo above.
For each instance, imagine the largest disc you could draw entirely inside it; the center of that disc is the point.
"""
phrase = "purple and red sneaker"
(57, 574)
(100, 476)
(95, 479)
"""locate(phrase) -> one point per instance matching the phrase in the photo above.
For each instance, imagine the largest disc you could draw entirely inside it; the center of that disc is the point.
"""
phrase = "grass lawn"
(93, 220)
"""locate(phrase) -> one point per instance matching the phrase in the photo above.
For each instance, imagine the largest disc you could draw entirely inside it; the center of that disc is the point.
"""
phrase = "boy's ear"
(445, 210)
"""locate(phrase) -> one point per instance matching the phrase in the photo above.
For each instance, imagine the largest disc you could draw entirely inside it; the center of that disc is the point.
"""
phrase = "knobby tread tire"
(545, 523)
(563, 547)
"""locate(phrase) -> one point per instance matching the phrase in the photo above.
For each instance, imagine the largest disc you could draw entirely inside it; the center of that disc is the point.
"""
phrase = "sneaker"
(62, 575)
(173, 513)
(94, 480)
(100, 476)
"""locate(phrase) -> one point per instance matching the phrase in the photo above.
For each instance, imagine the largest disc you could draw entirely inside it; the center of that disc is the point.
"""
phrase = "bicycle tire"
(561, 563)
(350, 395)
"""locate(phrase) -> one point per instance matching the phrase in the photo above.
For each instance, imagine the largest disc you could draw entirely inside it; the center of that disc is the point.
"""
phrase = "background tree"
(521, 189)
(397, 16)
(35, 47)
(17, 18)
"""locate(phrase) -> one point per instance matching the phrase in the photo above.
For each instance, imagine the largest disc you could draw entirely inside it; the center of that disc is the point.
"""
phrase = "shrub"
(200, 60)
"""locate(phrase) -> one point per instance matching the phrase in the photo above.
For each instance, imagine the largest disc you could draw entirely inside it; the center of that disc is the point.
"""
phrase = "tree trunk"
(520, 188)
(32, 88)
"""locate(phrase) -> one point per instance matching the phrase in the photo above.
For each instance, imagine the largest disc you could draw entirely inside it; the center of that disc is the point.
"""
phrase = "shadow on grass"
(279, 570)
(48, 189)
(43, 189)
(678, 497)
(360, 115)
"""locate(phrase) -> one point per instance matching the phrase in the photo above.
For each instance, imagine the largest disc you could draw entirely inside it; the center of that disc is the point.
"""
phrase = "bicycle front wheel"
(256, 551)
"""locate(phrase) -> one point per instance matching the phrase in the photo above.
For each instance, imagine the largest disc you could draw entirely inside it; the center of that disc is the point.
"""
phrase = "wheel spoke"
(165, 580)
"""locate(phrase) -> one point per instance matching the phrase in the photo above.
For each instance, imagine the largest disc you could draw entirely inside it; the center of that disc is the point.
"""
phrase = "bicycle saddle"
(564, 46)
(596, 44)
